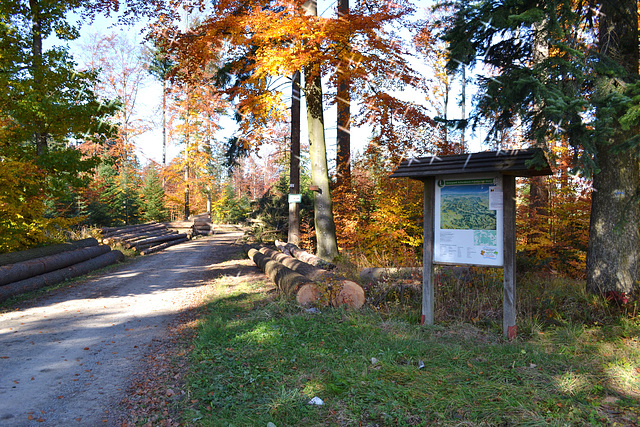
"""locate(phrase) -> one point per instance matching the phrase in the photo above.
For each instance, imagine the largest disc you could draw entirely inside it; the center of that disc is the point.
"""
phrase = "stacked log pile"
(184, 227)
(144, 238)
(202, 225)
(306, 283)
(36, 268)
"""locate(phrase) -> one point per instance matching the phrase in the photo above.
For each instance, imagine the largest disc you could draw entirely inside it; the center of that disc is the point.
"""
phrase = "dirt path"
(67, 359)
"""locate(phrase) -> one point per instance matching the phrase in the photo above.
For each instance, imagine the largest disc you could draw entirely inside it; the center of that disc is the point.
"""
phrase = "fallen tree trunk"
(134, 240)
(159, 239)
(295, 285)
(132, 230)
(42, 251)
(140, 234)
(108, 231)
(378, 274)
(144, 247)
(312, 272)
(346, 291)
(117, 238)
(59, 276)
(162, 246)
(296, 252)
(35, 267)
(287, 280)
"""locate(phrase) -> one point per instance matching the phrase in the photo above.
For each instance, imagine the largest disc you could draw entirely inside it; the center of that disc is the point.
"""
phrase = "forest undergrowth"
(258, 359)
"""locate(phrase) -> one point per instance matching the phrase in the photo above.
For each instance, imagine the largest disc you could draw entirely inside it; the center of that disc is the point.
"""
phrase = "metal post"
(509, 239)
(427, 252)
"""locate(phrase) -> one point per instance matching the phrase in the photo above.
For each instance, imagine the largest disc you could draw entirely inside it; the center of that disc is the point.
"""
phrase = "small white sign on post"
(468, 220)
(295, 198)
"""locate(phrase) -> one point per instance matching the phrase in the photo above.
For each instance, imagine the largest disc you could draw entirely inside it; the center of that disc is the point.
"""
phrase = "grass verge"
(258, 360)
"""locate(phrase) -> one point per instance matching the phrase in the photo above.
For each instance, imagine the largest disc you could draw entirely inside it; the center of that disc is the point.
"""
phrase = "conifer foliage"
(153, 203)
(584, 91)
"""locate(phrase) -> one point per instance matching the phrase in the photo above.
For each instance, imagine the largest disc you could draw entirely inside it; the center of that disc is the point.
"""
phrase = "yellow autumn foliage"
(22, 208)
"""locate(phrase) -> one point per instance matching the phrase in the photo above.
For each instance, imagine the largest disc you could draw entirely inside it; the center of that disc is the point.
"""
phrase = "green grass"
(257, 360)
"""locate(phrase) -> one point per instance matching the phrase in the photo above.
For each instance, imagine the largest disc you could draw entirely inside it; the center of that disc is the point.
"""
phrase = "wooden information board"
(470, 216)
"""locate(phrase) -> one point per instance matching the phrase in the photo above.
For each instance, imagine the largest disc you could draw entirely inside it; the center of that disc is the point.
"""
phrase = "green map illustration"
(484, 238)
(466, 207)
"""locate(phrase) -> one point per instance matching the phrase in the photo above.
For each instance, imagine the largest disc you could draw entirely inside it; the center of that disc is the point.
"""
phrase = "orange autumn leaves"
(256, 46)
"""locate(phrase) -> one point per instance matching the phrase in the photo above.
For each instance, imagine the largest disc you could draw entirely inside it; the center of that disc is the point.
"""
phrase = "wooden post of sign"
(509, 250)
(427, 252)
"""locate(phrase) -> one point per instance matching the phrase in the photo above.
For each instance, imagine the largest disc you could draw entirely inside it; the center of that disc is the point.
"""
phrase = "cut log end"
(342, 293)
(351, 294)
(308, 294)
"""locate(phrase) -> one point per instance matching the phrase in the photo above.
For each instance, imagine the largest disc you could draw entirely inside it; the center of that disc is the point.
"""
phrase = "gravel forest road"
(66, 358)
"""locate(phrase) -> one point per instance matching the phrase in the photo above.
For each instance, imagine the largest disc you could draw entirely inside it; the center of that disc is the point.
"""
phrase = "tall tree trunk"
(446, 113)
(40, 135)
(538, 186)
(294, 163)
(323, 208)
(343, 138)
(463, 107)
(164, 131)
(614, 235)
(186, 160)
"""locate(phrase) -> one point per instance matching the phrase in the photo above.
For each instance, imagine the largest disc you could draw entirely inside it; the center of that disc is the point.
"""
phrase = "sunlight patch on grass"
(571, 383)
(623, 377)
(313, 388)
(261, 334)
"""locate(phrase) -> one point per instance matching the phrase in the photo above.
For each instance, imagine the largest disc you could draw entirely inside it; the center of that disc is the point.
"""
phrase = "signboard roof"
(525, 162)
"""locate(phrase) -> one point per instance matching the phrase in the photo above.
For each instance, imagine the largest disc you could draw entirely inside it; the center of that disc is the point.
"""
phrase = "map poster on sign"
(468, 221)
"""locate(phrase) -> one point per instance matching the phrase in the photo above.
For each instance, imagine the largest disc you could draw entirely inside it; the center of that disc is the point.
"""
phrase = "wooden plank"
(427, 252)
(509, 239)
